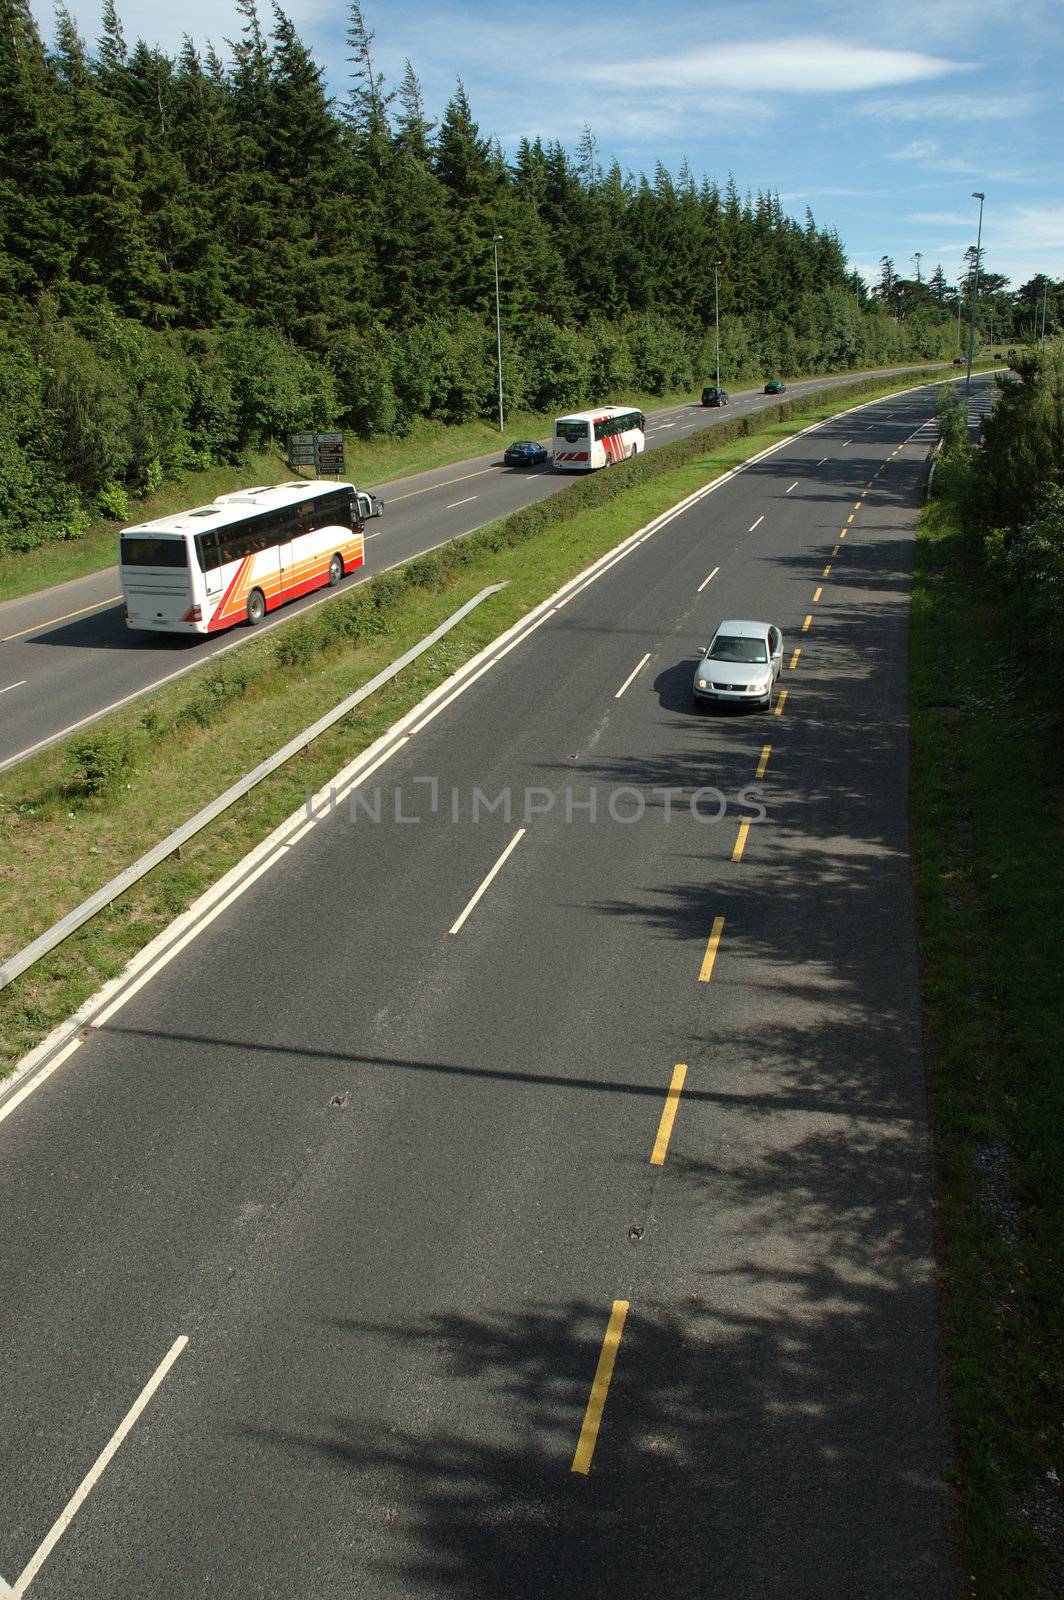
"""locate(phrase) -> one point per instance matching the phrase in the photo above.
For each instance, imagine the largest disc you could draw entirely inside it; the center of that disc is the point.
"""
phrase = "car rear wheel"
(256, 607)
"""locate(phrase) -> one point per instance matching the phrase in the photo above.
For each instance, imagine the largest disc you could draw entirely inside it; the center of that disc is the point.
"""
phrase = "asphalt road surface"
(66, 654)
(316, 1251)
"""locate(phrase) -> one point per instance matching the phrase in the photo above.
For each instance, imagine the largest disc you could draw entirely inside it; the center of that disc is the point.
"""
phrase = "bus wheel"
(256, 607)
(336, 571)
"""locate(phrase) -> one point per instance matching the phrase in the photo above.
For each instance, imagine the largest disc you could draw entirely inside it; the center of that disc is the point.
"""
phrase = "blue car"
(525, 453)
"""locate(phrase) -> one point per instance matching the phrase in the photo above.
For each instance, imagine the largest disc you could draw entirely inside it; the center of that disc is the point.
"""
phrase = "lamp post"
(716, 312)
(495, 243)
(1045, 297)
(976, 195)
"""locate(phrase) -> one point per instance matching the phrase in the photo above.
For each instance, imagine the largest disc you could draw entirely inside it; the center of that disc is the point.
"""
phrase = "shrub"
(297, 644)
(97, 763)
(113, 501)
(216, 690)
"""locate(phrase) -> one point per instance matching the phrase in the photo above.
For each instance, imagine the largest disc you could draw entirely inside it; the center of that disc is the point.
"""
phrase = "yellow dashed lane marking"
(600, 1388)
(711, 950)
(668, 1115)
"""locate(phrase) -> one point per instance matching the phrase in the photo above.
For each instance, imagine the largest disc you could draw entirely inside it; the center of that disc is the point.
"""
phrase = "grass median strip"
(75, 815)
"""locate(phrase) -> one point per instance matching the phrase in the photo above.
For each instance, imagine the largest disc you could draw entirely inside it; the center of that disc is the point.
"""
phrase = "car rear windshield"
(141, 552)
(728, 648)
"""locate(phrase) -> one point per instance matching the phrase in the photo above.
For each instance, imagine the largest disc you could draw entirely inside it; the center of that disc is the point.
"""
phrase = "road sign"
(322, 451)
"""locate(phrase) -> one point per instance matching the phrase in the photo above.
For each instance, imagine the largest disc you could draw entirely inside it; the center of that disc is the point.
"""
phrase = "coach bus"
(589, 439)
(244, 554)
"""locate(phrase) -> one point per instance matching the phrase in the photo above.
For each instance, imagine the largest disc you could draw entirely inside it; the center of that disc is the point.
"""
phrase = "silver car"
(740, 665)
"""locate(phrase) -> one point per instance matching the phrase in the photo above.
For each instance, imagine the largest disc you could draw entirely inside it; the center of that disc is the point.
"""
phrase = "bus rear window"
(141, 552)
(571, 431)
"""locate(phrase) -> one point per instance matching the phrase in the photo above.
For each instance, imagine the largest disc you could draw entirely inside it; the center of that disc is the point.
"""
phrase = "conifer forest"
(199, 253)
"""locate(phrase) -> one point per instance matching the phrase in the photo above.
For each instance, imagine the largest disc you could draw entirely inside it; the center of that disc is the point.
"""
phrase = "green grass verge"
(987, 817)
(185, 743)
(368, 462)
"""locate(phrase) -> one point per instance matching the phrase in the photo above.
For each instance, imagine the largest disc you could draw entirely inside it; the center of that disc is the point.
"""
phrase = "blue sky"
(882, 119)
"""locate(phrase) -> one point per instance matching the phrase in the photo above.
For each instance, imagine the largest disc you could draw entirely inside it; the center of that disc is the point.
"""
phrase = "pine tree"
(366, 108)
(111, 52)
(35, 249)
(412, 127)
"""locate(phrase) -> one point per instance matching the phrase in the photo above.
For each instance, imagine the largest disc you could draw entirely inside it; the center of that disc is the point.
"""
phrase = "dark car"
(525, 453)
(775, 386)
(712, 396)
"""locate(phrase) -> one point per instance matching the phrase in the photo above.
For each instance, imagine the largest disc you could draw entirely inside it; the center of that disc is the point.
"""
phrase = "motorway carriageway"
(66, 655)
(537, 1206)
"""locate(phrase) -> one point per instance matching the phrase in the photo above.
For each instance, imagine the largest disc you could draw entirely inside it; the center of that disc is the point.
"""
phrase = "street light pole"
(1045, 297)
(976, 195)
(495, 243)
(716, 312)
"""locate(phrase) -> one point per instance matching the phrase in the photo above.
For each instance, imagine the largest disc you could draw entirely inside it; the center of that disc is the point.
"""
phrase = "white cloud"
(917, 150)
(798, 66)
(967, 108)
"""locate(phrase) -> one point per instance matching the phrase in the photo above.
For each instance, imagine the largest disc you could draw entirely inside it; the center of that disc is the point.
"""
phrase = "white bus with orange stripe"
(589, 439)
(246, 553)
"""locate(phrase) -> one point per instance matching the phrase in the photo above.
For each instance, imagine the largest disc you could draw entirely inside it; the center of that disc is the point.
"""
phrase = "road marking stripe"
(712, 575)
(817, 593)
(456, 503)
(96, 604)
(794, 657)
(631, 675)
(600, 1388)
(807, 623)
(514, 842)
(11, 686)
(794, 485)
(37, 1079)
(820, 463)
(849, 519)
(857, 505)
(763, 763)
(710, 956)
(780, 703)
(668, 1115)
(848, 441)
(756, 524)
(740, 843)
(98, 1468)
(411, 494)
(826, 570)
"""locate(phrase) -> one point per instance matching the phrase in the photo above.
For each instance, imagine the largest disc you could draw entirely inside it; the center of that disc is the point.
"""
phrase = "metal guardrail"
(48, 941)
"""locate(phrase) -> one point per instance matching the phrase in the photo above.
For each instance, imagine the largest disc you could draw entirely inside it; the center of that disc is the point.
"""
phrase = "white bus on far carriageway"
(589, 439)
(244, 554)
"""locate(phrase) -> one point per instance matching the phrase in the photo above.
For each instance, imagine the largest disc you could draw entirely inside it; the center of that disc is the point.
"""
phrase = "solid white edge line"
(96, 1471)
(632, 675)
(35, 1083)
(712, 575)
(514, 842)
(168, 942)
(11, 686)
